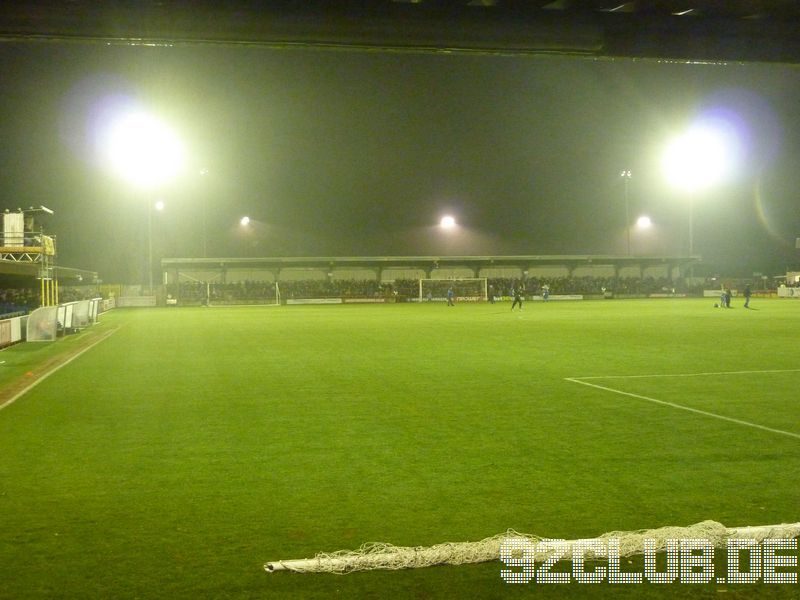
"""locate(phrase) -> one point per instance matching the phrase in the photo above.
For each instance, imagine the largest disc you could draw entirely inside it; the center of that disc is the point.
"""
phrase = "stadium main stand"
(400, 290)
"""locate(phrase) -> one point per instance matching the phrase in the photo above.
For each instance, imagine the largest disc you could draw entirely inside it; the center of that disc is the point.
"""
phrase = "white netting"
(376, 555)
(464, 288)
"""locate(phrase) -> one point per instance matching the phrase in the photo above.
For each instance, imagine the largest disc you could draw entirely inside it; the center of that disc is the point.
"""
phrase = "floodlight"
(143, 150)
(701, 157)
(643, 222)
(159, 205)
(244, 221)
(447, 222)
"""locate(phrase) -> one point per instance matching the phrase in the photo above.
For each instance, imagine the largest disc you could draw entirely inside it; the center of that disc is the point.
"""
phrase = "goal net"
(212, 292)
(515, 548)
(244, 294)
(465, 289)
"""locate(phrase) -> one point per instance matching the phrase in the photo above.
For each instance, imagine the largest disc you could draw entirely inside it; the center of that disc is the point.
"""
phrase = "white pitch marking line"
(51, 371)
(681, 407)
(684, 374)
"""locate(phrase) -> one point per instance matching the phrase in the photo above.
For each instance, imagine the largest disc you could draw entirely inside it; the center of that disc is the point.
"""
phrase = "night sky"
(343, 153)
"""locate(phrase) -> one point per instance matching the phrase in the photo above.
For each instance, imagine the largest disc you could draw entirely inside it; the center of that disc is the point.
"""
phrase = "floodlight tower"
(148, 154)
(159, 206)
(203, 173)
(626, 177)
(695, 161)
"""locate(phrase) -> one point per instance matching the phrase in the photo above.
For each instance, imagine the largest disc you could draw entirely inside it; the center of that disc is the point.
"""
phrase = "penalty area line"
(47, 374)
(752, 372)
(686, 408)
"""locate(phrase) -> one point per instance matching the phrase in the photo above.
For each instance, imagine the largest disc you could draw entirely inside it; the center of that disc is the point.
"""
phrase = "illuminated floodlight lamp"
(143, 150)
(701, 157)
(644, 222)
(447, 222)
(159, 205)
(244, 221)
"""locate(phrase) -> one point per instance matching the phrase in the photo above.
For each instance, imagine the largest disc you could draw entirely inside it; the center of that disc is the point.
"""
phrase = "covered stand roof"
(704, 30)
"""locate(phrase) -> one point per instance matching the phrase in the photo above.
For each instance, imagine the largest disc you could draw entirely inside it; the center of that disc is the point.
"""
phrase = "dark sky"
(334, 152)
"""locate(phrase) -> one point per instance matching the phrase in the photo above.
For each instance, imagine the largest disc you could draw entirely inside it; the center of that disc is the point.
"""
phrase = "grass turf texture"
(191, 446)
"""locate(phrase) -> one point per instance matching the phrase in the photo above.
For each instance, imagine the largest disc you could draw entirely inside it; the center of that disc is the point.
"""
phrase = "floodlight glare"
(447, 222)
(699, 158)
(244, 221)
(643, 222)
(143, 150)
(159, 205)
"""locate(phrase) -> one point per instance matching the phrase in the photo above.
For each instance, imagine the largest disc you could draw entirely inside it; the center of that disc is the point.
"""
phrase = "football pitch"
(186, 447)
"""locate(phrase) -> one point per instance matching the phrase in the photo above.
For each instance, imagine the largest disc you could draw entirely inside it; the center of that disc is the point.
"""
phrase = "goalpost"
(213, 292)
(465, 289)
(261, 294)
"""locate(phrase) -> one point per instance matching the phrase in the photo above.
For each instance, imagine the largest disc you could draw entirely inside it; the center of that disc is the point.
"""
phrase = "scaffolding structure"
(26, 245)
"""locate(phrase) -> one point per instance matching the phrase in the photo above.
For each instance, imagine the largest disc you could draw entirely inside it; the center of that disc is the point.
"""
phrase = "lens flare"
(759, 204)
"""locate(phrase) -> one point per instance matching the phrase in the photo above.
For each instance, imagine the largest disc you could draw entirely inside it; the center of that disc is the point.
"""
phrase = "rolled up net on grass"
(377, 555)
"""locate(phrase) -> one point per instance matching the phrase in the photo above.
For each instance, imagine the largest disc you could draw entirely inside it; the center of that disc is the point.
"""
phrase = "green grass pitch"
(177, 456)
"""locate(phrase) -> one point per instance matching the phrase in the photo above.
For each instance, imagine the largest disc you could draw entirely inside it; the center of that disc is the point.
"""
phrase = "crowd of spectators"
(15, 301)
(75, 293)
(591, 286)
(244, 292)
(404, 289)
(260, 292)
